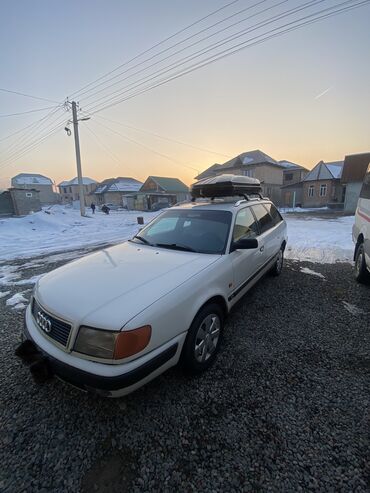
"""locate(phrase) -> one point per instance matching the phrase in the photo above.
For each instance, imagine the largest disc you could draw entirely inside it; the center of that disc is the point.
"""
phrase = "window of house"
(249, 172)
(28, 194)
(263, 217)
(245, 225)
(323, 190)
(311, 190)
(288, 176)
(70, 189)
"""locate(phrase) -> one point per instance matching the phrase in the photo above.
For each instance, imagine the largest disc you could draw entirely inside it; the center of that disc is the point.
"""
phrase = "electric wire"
(29, 96)
(26, 112)
(235, 49)
(168, 139)
(144, 146)
(177, 44)
(213, 46)
(156, 45)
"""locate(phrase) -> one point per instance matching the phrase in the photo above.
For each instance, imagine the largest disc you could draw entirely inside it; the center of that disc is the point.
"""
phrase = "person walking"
(93, 207)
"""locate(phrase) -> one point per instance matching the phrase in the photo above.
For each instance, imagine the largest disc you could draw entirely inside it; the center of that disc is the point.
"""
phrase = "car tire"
(278, 265)
(203, 340)
(361, 273)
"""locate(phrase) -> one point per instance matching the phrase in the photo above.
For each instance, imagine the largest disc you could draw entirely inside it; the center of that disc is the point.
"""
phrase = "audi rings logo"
(44, 322)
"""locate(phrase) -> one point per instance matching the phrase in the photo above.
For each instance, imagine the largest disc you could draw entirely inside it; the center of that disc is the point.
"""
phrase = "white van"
(361, 232)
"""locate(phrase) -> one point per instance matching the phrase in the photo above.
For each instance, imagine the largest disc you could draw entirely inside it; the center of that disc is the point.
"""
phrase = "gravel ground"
(285, 407)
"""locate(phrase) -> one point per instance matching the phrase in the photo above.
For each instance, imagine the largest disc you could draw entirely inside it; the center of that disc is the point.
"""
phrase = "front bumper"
(113, 385)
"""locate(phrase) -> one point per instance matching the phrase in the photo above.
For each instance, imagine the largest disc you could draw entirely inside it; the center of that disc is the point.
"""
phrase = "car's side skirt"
(248, 283)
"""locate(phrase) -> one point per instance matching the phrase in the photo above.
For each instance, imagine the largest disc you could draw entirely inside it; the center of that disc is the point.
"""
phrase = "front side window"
(323, 189)
(263, 217)
(311, 190)
(245, 225)
(195, 230)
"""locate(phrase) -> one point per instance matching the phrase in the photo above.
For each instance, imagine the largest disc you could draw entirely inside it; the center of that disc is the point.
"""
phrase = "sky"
(303, 96)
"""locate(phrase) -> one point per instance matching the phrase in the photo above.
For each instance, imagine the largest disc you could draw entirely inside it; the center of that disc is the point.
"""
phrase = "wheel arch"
(360, 240)
(218, 300)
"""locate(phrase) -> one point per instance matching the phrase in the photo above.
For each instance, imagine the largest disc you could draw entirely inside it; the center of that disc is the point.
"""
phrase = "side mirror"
(244, 244)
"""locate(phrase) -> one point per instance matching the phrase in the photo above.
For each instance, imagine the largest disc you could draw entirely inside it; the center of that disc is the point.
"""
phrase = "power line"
(235, 49)
(29, 96)
(106, 148)
(164, 138)
(32, 130)
(31, 147)
(210, 47)
(26, 112)
(156, 45)
(174, 45)
(173, 160)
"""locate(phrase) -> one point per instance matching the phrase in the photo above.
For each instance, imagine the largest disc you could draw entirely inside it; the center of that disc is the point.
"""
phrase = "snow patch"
(19, 306)
(63, 229)
(319, 240)
(4, 293)
(8, 274)
(353, 309)
(16, 299)
(32, 280)
(306, 270)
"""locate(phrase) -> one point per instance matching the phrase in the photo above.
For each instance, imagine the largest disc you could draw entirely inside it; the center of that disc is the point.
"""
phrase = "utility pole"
(78, 159)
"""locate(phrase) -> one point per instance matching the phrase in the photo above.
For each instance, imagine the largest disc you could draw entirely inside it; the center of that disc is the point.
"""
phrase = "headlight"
(112, 345)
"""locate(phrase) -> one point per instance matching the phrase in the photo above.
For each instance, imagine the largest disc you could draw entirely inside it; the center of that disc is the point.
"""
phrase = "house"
(322, 186)
(43, 184)
(255, 164)
(114, 190)
(158, 190)
(69, 190)
(19, 201)
(291, 191)
(354, 170)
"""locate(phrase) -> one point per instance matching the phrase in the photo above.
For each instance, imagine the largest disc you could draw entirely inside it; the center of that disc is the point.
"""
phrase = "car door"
(245, 262)
(270, 238)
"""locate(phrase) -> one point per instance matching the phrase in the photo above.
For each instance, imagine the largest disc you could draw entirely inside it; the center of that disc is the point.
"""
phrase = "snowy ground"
(62, 228)
(319, 239)
(316, 239)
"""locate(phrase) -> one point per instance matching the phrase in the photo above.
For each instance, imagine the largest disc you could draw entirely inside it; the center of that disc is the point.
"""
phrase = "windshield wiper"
(175, 246)
(137, 237)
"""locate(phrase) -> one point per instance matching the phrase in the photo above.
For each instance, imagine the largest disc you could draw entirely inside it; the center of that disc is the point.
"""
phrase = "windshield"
(201, 231)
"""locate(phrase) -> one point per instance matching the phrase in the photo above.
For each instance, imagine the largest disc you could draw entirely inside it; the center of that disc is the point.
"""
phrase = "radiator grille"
(59, 331)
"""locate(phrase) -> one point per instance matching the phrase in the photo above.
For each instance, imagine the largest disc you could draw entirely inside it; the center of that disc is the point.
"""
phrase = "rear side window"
(263, 217)
(365, 191)
(245, 225)
(274, 213)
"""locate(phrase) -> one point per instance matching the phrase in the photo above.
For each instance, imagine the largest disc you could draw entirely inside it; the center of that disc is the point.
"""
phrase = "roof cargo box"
(226, 186)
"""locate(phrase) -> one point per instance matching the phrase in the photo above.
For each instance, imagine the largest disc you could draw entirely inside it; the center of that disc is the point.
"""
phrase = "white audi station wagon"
(112, 321)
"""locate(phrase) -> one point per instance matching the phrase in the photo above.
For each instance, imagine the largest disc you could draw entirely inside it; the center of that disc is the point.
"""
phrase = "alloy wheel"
(207, 337)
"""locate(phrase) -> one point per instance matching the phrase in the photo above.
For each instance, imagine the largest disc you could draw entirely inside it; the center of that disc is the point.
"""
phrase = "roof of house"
(325, 171)
(119, 184)
(168, 184)
(85, 180)
(288, 166)
(245, 159)
(355, 167)
(250, 157)
(31, 179)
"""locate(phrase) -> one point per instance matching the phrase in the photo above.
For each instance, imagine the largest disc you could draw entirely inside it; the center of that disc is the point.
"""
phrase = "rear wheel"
(278, 265)
(361, 273)
(203, 340)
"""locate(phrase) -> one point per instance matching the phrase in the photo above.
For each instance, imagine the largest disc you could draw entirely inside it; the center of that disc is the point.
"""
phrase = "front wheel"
(203, 340)
(361, 273)
(278, 265)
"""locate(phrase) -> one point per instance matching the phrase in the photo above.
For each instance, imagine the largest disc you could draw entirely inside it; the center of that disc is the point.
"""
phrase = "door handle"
(262, 248)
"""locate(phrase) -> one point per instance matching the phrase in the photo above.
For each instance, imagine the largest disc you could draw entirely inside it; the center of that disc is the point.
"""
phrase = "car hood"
(108, 288)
